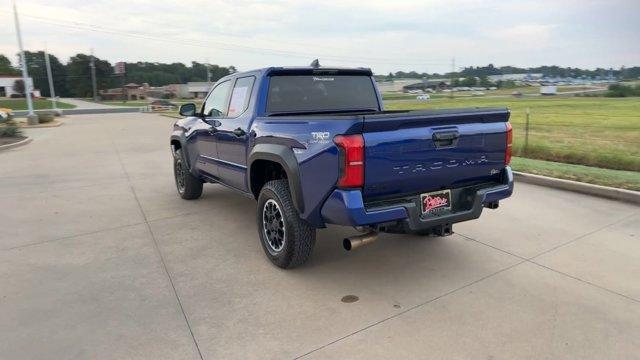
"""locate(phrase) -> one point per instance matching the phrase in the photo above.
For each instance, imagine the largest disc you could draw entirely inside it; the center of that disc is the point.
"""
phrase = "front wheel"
(287, 240)
(189, 187)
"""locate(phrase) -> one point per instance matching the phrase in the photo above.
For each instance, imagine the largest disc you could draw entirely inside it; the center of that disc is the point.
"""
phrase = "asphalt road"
(99, 259)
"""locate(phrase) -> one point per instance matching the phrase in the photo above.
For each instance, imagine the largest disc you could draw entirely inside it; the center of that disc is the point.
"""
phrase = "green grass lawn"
(40, 104)
(593, 131)
(607, 177)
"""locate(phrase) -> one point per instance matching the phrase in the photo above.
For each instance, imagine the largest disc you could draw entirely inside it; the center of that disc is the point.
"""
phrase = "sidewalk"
(84, 104)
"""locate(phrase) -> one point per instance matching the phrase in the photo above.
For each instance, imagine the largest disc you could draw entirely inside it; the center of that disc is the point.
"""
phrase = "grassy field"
(40, 104)
(607, 177)
(600, 132)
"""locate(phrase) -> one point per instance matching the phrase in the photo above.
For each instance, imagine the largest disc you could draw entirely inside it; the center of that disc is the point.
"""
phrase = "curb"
(54, 123)
(16, 144)
(607, 192)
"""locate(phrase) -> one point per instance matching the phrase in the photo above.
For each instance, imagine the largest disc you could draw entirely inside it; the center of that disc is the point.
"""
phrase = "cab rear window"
(321, 93)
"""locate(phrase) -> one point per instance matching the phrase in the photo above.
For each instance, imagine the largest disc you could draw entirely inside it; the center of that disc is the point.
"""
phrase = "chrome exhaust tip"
(356, 241)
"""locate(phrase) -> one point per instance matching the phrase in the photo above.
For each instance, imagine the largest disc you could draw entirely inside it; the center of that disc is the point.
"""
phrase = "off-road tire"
(189, 187)
(299, 236)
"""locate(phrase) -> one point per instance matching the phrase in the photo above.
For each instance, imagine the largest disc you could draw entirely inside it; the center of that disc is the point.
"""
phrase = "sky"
(387, 36)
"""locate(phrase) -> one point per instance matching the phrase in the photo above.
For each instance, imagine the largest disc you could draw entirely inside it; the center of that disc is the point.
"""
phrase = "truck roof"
(307, 70)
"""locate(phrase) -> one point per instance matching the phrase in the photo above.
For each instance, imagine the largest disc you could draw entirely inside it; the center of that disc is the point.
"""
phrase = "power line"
(220, 45)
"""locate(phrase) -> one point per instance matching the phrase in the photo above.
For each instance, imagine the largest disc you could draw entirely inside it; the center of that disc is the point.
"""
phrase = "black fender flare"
(180, 137)
(284, 156)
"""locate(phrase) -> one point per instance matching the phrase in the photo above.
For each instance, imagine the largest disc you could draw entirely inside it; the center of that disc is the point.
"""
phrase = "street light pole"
(93, 77)
(52, 92)
(32, 119)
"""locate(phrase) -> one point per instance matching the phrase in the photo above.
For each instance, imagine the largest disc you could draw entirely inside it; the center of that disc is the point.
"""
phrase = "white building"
(190, 90)
(198, 90)
(7, 82)
(396, 84)
(514, 77)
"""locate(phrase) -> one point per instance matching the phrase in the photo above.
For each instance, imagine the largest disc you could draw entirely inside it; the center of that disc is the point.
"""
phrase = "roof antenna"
(315, 64)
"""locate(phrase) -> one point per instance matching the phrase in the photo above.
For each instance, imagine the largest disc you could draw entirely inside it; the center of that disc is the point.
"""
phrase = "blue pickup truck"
(314, 146)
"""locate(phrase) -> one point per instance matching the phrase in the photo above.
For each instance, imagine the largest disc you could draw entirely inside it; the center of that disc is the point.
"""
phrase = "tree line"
(73, 78)
(549, 71)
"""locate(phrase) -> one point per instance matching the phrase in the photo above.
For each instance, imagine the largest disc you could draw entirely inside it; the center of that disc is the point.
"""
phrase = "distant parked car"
(477, 93)
(517, 94)
(424, 97)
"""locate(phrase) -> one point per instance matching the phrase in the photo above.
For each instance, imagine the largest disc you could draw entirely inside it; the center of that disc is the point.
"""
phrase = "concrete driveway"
(99, 259)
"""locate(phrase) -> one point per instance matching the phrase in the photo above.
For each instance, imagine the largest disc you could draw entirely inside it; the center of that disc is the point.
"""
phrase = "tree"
(484, 82)
(156, 74)
(79, 75)
(38, 71)
(18, 87)
(5, 66)
(468, 81)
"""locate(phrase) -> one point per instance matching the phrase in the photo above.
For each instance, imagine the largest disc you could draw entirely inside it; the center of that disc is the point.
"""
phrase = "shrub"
(45, 117)
(10, 129)
(620, 90)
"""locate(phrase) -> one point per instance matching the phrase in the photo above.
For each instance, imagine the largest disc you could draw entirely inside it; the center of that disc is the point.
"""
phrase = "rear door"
(417, 152)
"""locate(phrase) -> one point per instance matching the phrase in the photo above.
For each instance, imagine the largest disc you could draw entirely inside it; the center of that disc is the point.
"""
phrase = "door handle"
(445, 139)
(239, 132)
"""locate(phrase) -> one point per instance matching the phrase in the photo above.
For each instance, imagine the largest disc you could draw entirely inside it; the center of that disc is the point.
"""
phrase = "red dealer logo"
(431, 202)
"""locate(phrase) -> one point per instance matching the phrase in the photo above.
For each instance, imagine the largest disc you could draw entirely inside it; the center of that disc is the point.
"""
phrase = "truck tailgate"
(422, 151)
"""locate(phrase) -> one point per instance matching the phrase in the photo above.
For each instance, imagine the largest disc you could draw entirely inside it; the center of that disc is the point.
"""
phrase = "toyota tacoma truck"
(314, 146)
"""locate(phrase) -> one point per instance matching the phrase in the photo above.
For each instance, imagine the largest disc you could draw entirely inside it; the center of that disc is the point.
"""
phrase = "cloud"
(528, 34)
(386, 35)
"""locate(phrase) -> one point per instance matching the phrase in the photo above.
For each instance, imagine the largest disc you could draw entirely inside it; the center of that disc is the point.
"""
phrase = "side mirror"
(188, 109)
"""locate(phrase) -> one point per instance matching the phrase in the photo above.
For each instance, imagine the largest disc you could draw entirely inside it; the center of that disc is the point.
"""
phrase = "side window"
(216, 104)
(241, 95)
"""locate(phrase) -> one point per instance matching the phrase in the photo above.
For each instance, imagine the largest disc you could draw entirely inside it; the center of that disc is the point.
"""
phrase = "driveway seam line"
(159, 252)
(531, 261)
(584, 281)
(584, 235)
(94, 232)
(491, 246)
(411, 308)
(70, 237)
(63, 188)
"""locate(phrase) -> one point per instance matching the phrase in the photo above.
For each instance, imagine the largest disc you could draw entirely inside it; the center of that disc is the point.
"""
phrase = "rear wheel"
(189, 187)
(287, 240)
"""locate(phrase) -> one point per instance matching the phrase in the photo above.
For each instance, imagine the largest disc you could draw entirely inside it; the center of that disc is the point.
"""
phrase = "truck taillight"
(507, 154)
(351, 149)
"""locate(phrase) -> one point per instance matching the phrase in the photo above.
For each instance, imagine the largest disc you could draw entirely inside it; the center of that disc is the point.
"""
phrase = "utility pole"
(52, 92)
(453, 69)
(208, 70)
(93, 77)
(32, 118)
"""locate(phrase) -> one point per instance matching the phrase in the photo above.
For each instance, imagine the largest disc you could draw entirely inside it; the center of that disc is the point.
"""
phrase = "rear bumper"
(346, 207)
